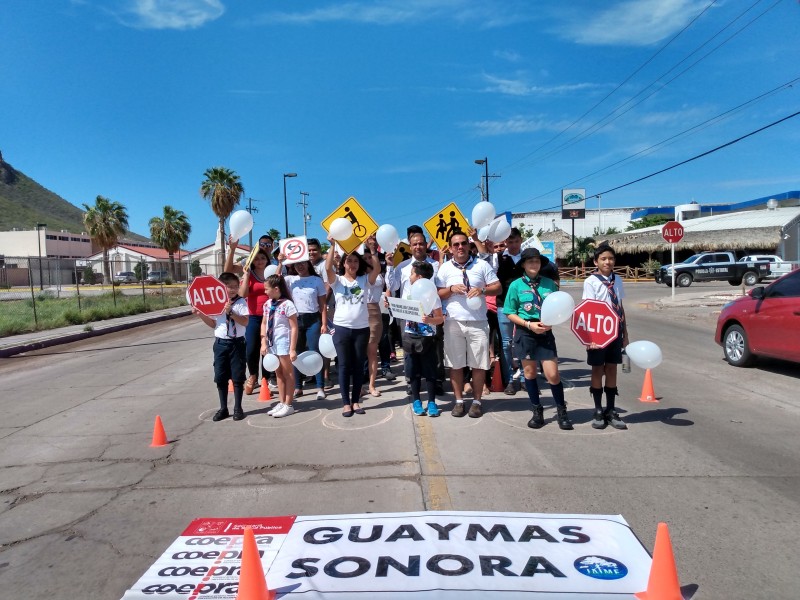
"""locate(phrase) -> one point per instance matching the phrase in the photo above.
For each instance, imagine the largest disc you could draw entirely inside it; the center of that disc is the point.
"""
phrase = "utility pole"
(251, 209)
(485, 191)
(304, 204)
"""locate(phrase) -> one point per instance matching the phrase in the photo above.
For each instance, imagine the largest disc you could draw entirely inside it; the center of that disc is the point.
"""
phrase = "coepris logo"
(573, 198)
(601, 567)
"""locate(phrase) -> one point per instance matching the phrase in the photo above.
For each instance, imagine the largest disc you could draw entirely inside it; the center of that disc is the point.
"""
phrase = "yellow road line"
(434, 483)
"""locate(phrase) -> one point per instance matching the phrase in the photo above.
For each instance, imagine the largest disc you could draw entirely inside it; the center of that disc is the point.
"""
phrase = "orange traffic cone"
(230, 385)
(648, 393)
(252, 584)
(663, 582)
(159, 435)
(264, 394)
(497, 377)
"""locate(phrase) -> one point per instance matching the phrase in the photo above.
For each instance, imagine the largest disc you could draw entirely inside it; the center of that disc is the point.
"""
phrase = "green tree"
(195, 268)
(649, 221)
(170, 233)
(582, 253)
(610, 231)
(141, 270)
(223, 189)
(275, 235)
(105, 222)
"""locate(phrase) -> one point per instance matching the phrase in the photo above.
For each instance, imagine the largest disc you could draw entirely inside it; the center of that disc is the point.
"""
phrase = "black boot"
(537, 420)
(563, 417)
(599, 419)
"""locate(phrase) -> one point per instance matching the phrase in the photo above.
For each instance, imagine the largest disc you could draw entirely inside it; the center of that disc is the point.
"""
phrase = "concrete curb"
(56, 339)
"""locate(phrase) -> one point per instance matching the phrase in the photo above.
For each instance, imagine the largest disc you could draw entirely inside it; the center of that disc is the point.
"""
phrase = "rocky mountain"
(23, 203)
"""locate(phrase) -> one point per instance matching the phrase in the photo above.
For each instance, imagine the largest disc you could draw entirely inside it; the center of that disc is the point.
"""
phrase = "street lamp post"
(39, 243)
(285, 209)
(485, 162)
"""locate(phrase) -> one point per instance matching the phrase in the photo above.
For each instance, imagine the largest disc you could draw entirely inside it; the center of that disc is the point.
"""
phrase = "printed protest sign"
(444, 223)
(409, 310)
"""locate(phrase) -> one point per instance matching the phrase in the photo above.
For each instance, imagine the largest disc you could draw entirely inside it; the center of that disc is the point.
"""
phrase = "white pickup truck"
(777, 266)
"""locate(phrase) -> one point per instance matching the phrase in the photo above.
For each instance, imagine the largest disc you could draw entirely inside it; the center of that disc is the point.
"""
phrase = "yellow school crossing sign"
(444, 223)
(363, 225)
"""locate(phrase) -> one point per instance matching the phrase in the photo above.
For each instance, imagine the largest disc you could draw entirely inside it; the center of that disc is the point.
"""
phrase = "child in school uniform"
(605, 286)
(419, 347)
(229, 347)
(279, 337)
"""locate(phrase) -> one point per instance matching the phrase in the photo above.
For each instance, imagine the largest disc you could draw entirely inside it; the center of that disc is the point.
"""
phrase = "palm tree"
(223, 189)
(582, 252)
(106, 222)
(170, 232)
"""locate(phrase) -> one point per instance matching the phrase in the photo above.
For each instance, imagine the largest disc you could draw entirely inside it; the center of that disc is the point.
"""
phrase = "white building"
(45, 243)
(596, 219)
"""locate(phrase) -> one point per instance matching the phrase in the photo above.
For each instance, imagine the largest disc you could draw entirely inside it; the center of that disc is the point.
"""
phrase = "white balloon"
(499, 230)
(644, 354)
(241, 224)
(271, 362)
(474, 303)
(341, 229)
(270, 270)
(483, 233)
(309, 363)
(482, 214)
(557, 308)
(326, 347)
(424, 290)
(387, 237)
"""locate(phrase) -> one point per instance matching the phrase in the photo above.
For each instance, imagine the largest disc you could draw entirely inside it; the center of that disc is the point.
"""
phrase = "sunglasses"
(458, 244)
(265, 244)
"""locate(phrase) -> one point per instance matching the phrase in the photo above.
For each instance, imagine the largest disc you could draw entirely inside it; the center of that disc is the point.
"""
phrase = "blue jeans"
(309, 326)
(506, 340)
(252, 336)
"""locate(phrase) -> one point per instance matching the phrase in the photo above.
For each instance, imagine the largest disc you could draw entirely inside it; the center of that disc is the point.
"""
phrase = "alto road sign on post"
(672, 232)
(208, 295)
(596, 322)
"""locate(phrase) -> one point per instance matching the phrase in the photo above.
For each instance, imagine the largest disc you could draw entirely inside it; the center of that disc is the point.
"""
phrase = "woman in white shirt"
(308, 293)
(351, 321)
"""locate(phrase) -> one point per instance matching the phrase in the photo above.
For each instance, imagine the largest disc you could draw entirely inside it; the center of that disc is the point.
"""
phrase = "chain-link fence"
(54, 292)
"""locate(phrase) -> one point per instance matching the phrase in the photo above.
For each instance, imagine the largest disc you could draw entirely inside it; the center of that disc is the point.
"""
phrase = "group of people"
(488, 296)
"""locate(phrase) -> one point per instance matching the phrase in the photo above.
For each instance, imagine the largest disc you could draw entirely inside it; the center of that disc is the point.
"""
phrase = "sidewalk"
(25, 342)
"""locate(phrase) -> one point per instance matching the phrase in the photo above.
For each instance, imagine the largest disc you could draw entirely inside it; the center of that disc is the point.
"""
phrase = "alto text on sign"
(595, 322)
(672, 232)
(208, 295)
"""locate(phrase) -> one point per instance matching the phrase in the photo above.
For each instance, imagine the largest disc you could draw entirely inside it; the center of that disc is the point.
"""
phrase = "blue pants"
(252, 336)
(351, 352)
(309, 326)
(506, 340)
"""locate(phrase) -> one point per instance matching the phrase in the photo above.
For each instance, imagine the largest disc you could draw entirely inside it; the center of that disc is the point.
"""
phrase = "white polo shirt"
(479, 274)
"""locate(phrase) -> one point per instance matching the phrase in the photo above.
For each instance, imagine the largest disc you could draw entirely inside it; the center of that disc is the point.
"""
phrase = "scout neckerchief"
(273, 305)
(609, 283)
(463, 269)
(534, 285)
(229, 322)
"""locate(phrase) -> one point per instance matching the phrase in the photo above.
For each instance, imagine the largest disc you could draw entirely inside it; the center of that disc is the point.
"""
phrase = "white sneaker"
(285, 412)
(321, 395)
(271, 412)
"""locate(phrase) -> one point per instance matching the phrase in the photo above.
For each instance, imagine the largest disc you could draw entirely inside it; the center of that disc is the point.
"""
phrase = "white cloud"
(632, 23)
(394, 12)
(517, 124)
(508, 55)
(171, 14)
(521, 87)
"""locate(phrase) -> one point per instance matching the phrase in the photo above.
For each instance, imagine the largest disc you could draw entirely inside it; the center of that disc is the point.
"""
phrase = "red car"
(765, 322)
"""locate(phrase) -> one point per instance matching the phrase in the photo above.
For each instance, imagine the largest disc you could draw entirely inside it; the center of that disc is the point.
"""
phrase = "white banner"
(408, 310)
(458, 555)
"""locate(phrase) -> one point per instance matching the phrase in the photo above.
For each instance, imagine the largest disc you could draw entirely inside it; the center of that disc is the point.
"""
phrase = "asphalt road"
(87, 505)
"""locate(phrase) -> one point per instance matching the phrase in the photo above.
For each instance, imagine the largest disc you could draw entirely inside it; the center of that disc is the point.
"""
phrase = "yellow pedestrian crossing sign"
(444, 223)
(363, 225)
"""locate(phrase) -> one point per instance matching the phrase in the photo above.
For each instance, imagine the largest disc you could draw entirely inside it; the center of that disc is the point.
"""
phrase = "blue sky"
(391, 101)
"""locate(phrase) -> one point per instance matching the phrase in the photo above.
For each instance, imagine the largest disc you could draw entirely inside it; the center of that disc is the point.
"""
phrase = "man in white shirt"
(466, 329)
(397, 278)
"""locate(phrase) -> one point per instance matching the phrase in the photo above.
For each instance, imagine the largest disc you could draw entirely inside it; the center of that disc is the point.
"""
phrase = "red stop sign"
(208, 295)
(672, 232)
(595, 321)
